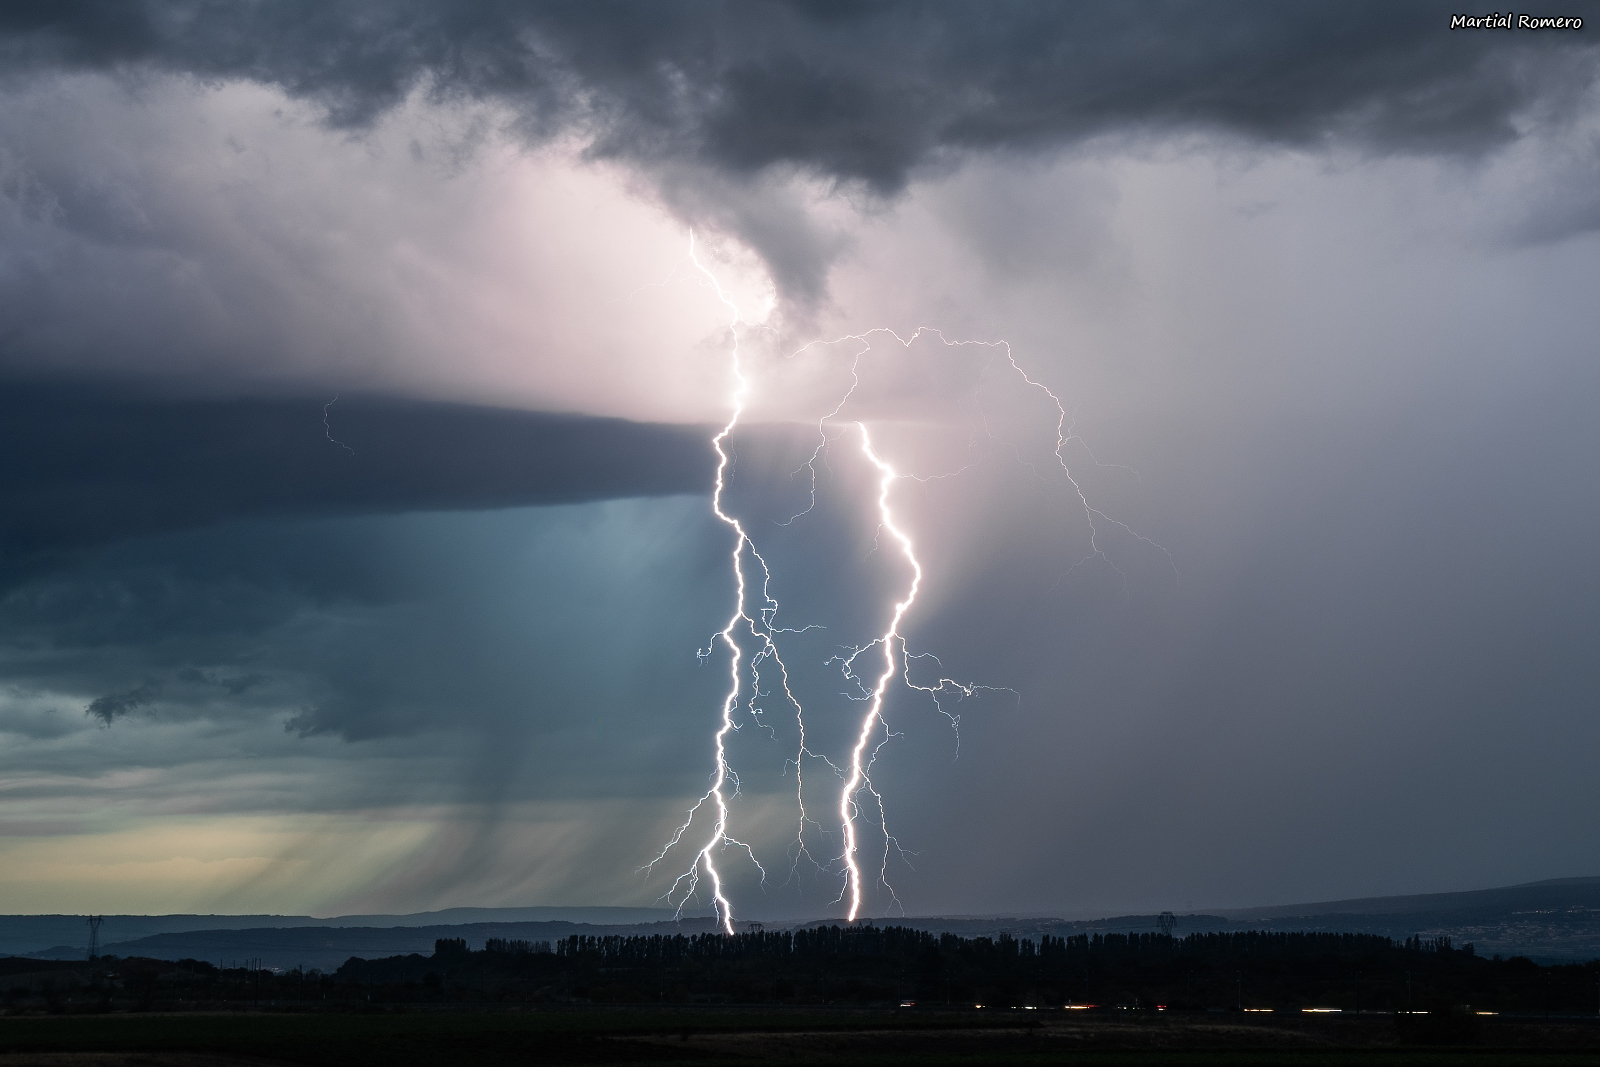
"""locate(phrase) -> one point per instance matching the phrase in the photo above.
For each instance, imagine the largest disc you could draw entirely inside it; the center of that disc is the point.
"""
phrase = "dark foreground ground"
(628, 1036)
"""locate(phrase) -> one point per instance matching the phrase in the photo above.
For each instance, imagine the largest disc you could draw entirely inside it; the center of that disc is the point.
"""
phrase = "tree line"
(869, 964)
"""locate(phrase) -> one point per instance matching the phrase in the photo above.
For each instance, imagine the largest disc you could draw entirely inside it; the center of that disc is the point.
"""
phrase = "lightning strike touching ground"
(755, 614)
(686, 884)
(859, 778)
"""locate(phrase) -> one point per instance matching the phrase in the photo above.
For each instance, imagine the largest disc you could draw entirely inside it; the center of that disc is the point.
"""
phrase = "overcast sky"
(357, 386)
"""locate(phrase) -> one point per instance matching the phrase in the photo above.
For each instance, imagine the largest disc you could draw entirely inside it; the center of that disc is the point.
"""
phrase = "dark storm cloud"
(854, 90)
(859, 92)
(88, 466)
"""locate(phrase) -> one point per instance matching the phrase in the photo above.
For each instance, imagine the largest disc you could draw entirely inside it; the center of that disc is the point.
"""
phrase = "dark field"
(626, 1036)
(828, 995)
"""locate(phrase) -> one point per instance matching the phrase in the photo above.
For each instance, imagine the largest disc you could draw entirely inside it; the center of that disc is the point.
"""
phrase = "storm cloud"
(860, 92)
(356, 380)
(854, 89)
(90, 464)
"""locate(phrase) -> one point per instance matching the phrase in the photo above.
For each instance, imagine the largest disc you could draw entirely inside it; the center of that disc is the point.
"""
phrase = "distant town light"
(1324, 1011)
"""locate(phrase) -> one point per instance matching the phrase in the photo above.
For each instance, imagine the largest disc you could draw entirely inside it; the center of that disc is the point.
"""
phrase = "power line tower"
(94, 936)
(1166, 922)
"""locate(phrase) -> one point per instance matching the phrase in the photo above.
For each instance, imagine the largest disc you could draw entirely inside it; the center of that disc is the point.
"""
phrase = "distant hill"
(1552, 920)
(24, 934)
(1549, 921)
(325, 948)
(1554, 893)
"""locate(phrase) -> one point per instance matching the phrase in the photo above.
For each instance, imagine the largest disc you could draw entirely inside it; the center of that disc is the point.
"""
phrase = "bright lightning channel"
(856, 776)
(685, 886)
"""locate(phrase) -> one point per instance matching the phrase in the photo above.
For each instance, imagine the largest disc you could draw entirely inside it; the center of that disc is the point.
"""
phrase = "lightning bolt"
(859, 777)
(760, 623)
(327, 427)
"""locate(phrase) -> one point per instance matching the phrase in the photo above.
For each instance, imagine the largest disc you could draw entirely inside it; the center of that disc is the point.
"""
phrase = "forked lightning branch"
(751, 642)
